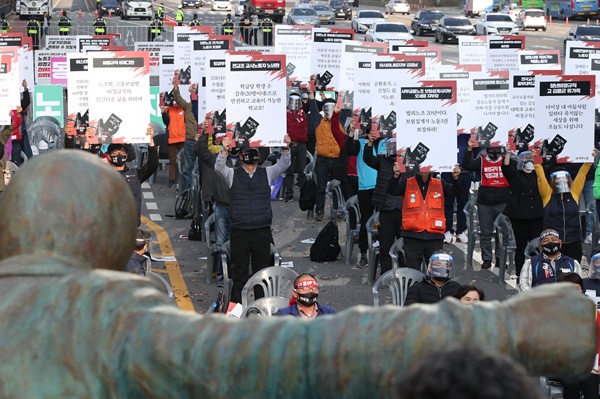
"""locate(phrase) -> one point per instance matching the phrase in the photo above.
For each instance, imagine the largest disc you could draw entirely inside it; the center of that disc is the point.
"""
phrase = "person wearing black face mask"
(545, 267)
(304, 299)
(251, 214)
(494, 193)
(118, 157)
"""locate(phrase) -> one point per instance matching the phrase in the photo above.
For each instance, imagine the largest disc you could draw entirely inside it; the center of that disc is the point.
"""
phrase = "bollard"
(567, 22)
(550, 19)
(96, 14)
(80, 15)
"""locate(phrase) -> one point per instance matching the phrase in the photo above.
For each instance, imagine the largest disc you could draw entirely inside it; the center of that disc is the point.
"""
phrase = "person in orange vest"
(173, 117)
(423, 218)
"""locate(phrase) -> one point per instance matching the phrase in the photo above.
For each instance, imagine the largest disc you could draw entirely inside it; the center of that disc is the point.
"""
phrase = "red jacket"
(17, 120)
(297, 126)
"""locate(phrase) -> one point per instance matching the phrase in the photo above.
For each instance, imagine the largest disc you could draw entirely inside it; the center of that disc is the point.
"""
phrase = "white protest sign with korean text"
(154, 49)
(94, 42)
(216, 78)
(255, 95)
(295, 41)
(427, 114)
(398, 46)
(389, 70)
(472, 50)
(326, 55)
(54, 42)
(184, 36)
(167, 69)
(10, 95)
(119, 91)
(564, 117)
(363, 76)
(11, 39)
(489, 106)
(77, 92)
(26, 71)
(43, 70)
(577, 56)
(433, 58)
(595, 70)
(351, 48)
(503, 52)
(537, 60)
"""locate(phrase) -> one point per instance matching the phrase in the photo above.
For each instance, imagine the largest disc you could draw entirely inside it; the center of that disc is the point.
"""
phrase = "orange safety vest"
(427, 214)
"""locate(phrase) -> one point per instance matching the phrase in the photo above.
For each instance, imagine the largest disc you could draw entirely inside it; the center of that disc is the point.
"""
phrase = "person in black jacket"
(524, 208)
(437, 284)
(118, 158)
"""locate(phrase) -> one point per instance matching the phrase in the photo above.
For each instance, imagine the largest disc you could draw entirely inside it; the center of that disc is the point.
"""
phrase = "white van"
(136, 9)
(221, 5)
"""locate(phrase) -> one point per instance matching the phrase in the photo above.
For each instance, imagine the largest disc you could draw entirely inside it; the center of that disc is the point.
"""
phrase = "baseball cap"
(304, 95)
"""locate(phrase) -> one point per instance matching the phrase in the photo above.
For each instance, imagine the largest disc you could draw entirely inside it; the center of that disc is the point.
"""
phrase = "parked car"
(191, 3)
(303, 16)
(341, 8)
(425, 22)
(534, 19)
(364, 19)
(399, 6)
(449, 28)
(240, 8)
(513, 10)
(223, 5)
(588, 33)
(325, 13)
(496, 24)
(110, 7)
(387, 31)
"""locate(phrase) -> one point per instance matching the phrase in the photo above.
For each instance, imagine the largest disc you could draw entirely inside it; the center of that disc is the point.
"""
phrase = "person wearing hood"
(493, 195)
(524, 208)
(251, 214)
(304, 302)
(437, 284)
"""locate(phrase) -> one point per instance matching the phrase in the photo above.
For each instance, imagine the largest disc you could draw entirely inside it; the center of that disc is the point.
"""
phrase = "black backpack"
(308, 195)
(195, 233)
(326, 247)
(183, 204)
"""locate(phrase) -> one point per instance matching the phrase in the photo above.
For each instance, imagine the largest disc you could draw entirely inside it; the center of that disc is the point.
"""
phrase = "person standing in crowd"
(469, 294)
(524, 208)
(304, 300)
(174, 118)
(99, 26)
(34, 32)
(137, 262)
(244, 27)
(98, 5)
(494, 193)
(155, 28)
(593, 282)
(251, 213)
(179, 16)
(297, 130)
(466, 178)
(45, 23)
(267, 28)
(597, 187)
(328, 147)
(547, 266)
(423, 218)
(437, 284)
(160, 11)
(134, 178)
(254, 29)
(16, 116)
(195, 21)
(64, 24)
(311, 138)
(227, 25)
(4, 24)
(191, 134)
(561, 206)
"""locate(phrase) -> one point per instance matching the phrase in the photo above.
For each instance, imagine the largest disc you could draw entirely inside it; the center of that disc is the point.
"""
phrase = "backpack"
(195, 233)
(183, 204)
(308, 195)
(326, 247)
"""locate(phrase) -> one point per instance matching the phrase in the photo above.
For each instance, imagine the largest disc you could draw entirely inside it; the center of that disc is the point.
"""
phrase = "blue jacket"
(367, 176)
(293, 311)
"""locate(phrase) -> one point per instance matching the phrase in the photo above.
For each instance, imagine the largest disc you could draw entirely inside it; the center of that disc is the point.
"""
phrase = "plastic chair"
(310, 175)
(157, 278)
(532, 248)
(591, 210)
(550, 389)
(372, 252)
(473, 228)
(265, 307)
(396, 247)
(275, 281)
(398, 281)
(333, 193)
(351, 208)
(507, 244)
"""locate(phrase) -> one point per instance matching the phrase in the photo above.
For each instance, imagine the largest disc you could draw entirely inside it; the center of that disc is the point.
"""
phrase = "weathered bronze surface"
(69, 329)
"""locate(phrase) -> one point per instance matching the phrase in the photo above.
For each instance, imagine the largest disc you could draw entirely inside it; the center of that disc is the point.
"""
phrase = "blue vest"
(367, 176)
(542, 271)
(250, 200)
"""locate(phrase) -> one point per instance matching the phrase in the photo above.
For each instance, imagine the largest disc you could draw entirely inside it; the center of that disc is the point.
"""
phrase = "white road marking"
(155, 217)
(151, 206)
(543, 47)
(148, 195)
(145, 185)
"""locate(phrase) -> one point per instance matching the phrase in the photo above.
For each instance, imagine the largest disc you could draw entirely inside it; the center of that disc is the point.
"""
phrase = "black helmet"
(228, 16)
(64, 13)
(195, 16)
(2, 16)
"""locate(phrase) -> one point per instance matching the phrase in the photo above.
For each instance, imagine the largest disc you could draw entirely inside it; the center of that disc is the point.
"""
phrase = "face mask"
(250, 157)
(528, 167)
(95, 148)
(308, 299)
(328, 111)
(551, 248)
(494, 155)
(118, 160)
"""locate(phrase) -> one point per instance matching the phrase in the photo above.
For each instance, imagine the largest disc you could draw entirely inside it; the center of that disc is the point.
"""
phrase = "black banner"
(565, 89)
(398, 64)
(78, 64)
(211, 45)
(490, 84)
(118, 62)
(255, 66)
(523, 81)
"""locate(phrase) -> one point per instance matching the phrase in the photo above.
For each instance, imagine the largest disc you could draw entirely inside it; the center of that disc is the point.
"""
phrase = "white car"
(364, 19)
(511, 10)
(240, 8)
(387, 31)
(221, 5)
(533, 19)
(496, 24)
(399, 6)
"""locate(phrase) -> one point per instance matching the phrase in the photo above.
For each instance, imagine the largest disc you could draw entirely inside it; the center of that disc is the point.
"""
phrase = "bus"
(572, 9)
(526, 4)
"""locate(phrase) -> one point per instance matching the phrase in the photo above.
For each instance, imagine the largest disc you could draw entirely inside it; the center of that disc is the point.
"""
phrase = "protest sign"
(13, 39)
(427, 113)
(77, 92)
(577, 56)
(255, 97)
(503, 52)
(472, 50)
(433, 58)
(398, 46)
(154, 49)
(9, 81)
(26, 71)
(119, 92)
(326, 55)
(94, 42)
(216, 77)
(54, 42)
(184, 36)
(155, 112)
(595, 70)
(363, 76)
(489, 106)
(48, 101)
(167, 71)
(43, 67)
(537, 60)
(295, 41)
(58, 71)
(564, 118)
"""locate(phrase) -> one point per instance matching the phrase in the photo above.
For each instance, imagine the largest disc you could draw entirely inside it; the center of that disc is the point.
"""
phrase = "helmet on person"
(195, 16)
(64, 13)
(228, 16)
(560, 181)
(179, 6)
(525, 161)
(2, 16)
(440, 265)
(595, 266)
(294, 102)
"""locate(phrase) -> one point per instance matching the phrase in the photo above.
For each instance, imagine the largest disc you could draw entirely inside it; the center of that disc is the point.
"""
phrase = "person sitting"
(592, 284)
(547, 266)
(304, 299)
(469, 294)
(137, 262)
(437, 284)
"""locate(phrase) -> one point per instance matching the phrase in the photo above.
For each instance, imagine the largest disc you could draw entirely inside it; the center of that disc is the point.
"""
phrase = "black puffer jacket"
(525, 200)
(385, 171)
(427, 292)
